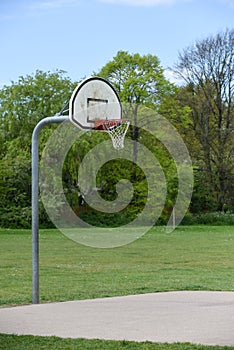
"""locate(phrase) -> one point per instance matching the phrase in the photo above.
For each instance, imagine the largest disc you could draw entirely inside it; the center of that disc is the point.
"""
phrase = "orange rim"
(101, 124)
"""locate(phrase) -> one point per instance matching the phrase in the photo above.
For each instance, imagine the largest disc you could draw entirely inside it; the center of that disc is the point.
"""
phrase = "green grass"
(13, 342)
(191, 258)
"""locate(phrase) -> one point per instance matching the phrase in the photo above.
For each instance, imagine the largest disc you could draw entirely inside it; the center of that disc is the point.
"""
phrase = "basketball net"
(117, 130)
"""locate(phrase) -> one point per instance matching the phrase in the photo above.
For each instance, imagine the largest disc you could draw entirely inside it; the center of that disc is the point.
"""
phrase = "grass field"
(191, 258)
(13, 342)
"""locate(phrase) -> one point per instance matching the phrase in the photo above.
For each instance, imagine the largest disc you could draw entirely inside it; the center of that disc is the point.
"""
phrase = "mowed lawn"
(191, 258)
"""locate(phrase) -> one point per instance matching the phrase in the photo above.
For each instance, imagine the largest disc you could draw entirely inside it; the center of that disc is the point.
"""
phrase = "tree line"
(201, 108)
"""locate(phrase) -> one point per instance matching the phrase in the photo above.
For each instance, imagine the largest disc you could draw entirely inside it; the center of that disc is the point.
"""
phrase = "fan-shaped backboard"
(92, 100)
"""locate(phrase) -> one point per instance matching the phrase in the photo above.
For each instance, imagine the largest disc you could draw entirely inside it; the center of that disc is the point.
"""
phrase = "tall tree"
(22, 105)
(139, 80)
(207, 67)
(143, 89)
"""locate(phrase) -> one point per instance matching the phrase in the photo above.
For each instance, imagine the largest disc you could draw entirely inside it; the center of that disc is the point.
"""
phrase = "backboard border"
(75, 93)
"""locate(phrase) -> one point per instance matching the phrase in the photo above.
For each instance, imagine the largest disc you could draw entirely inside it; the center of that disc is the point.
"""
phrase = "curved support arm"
(35, 193)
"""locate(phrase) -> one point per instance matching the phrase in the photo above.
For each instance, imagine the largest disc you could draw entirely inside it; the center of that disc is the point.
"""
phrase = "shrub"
(216, 218)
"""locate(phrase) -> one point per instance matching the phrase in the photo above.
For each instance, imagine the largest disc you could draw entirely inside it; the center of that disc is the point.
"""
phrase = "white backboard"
(92, 100)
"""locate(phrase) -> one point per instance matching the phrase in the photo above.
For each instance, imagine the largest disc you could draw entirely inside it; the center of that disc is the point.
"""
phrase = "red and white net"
(117, 130)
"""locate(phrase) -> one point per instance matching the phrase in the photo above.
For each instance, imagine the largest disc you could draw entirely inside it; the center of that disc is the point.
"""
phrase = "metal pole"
(35, 193)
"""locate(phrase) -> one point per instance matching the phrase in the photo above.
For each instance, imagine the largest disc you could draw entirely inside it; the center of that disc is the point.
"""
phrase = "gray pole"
(35, 193)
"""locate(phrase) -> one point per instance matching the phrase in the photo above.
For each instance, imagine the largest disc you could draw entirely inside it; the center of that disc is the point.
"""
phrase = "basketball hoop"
(116, 128)
(96, 97)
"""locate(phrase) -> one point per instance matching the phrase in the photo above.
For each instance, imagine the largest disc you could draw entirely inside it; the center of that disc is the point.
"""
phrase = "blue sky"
(81, 36)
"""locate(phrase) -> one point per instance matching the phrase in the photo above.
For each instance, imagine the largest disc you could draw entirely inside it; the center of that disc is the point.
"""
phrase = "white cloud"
(143, 2)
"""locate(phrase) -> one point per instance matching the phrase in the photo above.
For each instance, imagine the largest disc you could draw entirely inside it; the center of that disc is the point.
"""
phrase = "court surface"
(200, 317)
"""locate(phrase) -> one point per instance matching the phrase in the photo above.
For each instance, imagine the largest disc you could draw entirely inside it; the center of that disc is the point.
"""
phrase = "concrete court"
(195, 317)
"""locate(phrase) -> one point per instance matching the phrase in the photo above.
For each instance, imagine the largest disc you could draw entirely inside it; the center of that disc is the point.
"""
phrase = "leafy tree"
(22, 105)
(139, 80)
(32, 98)
(207, 67)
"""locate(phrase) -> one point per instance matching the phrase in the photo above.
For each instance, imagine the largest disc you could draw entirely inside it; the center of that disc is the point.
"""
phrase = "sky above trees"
(81, 36)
